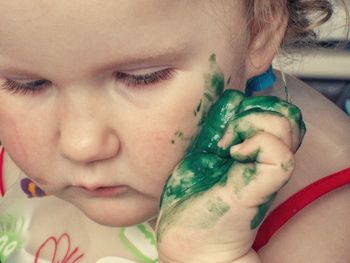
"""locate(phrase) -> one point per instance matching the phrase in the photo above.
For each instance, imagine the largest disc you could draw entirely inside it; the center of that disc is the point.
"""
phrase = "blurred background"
(326, 66)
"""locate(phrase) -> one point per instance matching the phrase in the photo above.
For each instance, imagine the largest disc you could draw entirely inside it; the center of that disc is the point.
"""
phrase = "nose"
(86, 134)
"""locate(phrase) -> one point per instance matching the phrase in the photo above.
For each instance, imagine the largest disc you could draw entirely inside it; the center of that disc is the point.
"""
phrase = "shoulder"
(311, 235)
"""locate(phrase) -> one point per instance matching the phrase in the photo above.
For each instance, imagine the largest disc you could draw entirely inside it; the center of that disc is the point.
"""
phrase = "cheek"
(162, 141)
(12, 139)
(22, 138)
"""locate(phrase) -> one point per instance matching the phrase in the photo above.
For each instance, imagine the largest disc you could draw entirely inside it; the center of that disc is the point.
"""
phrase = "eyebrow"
(162, 55)
(18, 71)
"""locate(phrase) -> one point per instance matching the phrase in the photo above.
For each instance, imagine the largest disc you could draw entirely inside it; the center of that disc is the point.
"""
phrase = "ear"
(264, 43)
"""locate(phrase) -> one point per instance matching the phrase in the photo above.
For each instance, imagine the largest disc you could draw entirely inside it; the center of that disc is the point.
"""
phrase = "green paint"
(208, 97)
(214, 84)
(215, 209)
(11, 232)
(180, 136)
(275, 104)
(262, 210)
(252, 157)
(288, 165)
(198, 108)
(217, 82)
(243, 124)
(248, 175)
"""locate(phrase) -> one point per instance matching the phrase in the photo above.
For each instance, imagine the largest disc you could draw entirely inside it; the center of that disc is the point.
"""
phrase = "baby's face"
(117, 94)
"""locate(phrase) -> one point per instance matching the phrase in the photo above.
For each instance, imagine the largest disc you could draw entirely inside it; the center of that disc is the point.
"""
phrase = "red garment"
(296, 202)
(284, 211)
(2, 192)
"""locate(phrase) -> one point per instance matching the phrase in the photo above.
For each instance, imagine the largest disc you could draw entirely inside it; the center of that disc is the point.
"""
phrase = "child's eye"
(141, 80)
(24, 88)
(129, 80)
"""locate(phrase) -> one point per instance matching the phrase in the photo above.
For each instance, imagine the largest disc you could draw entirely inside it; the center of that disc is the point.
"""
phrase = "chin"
(116, 216)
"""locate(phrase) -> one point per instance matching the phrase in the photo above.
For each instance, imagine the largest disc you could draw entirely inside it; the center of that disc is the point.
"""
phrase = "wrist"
(250, 257)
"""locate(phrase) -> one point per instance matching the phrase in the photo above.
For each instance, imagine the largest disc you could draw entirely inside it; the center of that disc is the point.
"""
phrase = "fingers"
(291, 112)
(253, 183)
(248, 123)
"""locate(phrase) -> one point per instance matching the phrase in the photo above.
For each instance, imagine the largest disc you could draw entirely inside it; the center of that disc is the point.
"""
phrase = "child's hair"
(304, 17)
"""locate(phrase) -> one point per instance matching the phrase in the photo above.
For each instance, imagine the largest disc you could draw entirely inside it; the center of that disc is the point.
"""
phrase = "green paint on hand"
(287, 166)
(215, 209)
(246, 158)
(275, 104)
(262, 210)
(249, 174)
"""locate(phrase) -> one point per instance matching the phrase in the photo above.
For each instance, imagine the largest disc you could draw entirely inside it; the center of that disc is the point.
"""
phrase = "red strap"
(296, 202)
(2, 192)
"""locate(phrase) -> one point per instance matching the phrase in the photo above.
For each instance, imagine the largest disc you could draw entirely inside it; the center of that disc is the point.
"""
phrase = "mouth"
(105, 191)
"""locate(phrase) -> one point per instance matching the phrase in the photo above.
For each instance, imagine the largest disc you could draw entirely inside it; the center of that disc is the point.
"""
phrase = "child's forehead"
(56, 29)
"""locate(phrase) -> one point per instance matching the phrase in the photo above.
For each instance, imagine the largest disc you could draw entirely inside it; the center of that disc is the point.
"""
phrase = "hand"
(220, 191)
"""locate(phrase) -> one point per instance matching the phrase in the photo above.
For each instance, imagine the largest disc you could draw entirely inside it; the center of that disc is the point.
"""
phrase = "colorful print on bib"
(11, 235)
(31, 189)
(140, 240)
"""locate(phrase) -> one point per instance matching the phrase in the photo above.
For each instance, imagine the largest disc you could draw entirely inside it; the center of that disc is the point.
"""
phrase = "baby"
(101, 102)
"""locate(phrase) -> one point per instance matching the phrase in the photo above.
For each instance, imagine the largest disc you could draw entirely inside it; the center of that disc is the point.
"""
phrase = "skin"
(91, 130)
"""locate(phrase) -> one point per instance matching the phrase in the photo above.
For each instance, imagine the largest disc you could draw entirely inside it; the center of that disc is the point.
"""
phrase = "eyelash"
(129, 80)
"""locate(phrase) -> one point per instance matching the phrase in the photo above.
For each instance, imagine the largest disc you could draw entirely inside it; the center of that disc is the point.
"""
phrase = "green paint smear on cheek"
(214, 82)
(179, 136)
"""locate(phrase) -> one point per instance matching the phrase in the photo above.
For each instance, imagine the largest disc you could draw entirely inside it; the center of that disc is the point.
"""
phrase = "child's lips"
(105, 191)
